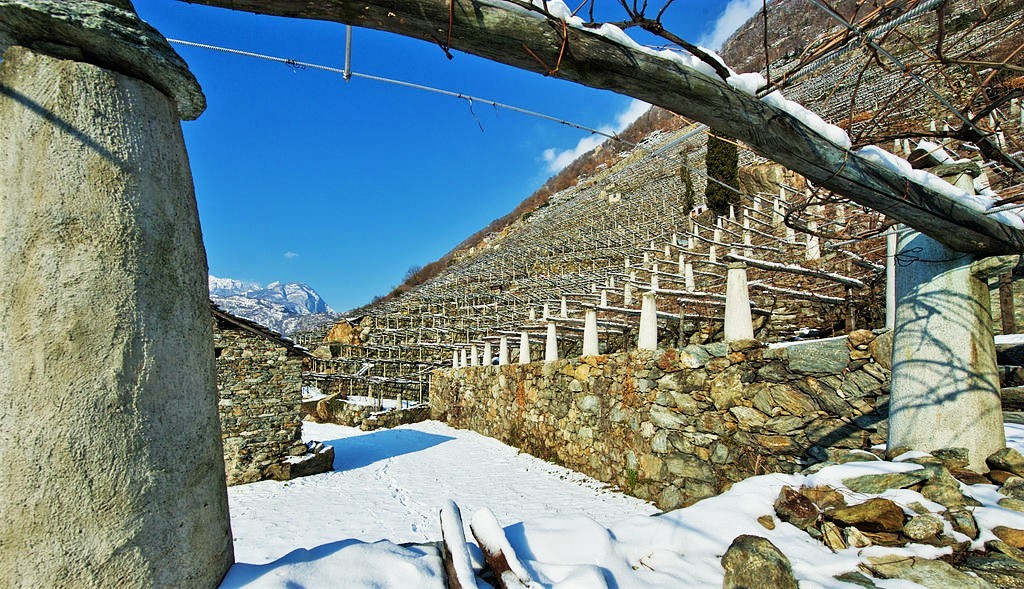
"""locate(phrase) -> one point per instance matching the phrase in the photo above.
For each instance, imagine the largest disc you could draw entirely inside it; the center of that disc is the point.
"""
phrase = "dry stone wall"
(260, 388)
(677, 425)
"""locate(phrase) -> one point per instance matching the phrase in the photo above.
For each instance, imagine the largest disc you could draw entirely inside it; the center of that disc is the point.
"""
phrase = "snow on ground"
(568, 530)
(391, 484)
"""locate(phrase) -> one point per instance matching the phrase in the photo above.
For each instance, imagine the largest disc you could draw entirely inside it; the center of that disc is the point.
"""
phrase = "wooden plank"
(498, 553)
(510, 34)
(459, 574)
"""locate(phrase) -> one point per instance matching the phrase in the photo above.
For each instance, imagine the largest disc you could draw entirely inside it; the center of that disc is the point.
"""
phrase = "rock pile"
(974, 556)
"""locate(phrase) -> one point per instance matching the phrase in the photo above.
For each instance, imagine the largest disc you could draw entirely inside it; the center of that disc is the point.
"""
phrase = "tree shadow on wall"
(359, 451)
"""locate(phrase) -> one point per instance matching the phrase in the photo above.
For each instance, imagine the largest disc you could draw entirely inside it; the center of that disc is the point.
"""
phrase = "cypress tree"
(722, 162)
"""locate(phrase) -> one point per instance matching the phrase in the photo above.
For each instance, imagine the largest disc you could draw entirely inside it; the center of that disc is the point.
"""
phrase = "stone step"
(1013, 398)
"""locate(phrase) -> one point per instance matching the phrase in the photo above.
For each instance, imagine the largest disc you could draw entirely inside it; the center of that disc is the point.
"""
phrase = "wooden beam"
(508, 33)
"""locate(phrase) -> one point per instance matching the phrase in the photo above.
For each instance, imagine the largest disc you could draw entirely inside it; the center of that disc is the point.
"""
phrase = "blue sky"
(303, 177)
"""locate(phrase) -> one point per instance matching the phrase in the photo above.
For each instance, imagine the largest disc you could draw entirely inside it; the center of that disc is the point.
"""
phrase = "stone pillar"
(503, 350)
(691, 285)
(604, 298)
(487, 354)
(890, 277)
(945, 387)
(682, 263)
(813, 251)
(563, 311)
(590, 347)
(113, 470)
(455, 359)
(627, 294)
(712, 254)
(474, 356)
(524, 348)
(648, 337)
(462, 358)
(654, 277)
(738, 324)
(747, 250)
(551, 344)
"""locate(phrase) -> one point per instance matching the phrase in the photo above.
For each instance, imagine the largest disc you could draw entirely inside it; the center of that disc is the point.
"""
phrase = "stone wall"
(675, 426)
(260, 388)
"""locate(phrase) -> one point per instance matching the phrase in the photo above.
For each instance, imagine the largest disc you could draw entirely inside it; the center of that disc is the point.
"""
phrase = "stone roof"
(225, 319)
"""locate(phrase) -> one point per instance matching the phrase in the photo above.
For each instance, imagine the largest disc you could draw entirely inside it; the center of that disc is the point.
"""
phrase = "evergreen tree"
(722, 161)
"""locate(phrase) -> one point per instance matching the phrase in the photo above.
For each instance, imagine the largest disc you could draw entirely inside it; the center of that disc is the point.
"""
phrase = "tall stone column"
(111, 466)
(503, 350)
(738, 322)
(590, 344)
(551, 344)
(945, 388)
(524, 348)
(648, 336)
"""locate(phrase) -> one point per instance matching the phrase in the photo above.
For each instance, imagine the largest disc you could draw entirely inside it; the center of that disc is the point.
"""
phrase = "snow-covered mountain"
(285, 307)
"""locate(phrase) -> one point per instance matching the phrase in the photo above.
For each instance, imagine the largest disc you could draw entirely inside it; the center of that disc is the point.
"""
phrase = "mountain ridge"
(285, 307)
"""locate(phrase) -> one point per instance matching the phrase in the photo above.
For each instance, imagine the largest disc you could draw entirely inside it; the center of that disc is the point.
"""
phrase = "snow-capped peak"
(281, 306)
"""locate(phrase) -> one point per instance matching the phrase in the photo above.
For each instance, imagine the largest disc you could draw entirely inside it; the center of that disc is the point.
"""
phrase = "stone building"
(259, 382)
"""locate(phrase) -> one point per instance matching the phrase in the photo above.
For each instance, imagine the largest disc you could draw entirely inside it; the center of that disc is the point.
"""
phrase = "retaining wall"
(677, 425)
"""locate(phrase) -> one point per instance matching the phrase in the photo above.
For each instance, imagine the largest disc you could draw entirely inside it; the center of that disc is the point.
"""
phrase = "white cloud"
(290, 255)
(560, 158)
(735, 14)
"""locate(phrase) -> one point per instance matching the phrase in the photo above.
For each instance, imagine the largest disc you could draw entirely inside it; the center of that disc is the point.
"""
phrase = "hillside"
(617, 222)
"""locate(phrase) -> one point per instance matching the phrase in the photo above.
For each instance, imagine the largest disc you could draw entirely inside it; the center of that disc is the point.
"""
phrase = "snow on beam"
(518, 34)
(793, 269)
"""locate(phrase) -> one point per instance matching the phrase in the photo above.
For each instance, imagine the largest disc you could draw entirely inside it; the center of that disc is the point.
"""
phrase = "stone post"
(654, 277)
(455, 359)
(563, 311)
(627, 294)
(551, 344)
(590, 347)
(113, 470)
(682, 263)
(738, 324)
(691, 285)
(487, 354)
(474, 356)
(503, 350)
(524, 348)
(945, 387)
(462, 358)
(604, 298)
(712, 254)
(890, 277)
(648, 336)
(813, 251)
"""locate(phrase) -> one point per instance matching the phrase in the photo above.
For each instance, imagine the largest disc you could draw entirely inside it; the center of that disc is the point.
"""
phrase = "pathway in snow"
(569, 531)
(390, 484)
